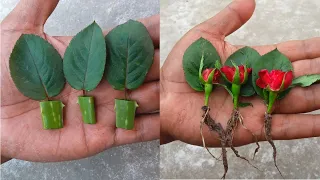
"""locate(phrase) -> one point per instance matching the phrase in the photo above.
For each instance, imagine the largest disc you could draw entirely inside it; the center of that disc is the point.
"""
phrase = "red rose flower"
(276, 80)
(229, 73)
(207, 72)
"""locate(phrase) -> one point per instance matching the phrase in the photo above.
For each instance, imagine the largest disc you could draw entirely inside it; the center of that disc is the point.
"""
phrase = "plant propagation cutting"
(271, 79)
(83, 66)
(36, 70)
(130, 54)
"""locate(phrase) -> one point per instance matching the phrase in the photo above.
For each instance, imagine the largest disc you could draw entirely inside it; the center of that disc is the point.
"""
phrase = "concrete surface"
(272, 22)
(136, 161)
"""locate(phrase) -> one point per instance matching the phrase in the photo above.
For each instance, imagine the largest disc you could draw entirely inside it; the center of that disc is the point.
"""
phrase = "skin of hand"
(22, 135)
(181, 105)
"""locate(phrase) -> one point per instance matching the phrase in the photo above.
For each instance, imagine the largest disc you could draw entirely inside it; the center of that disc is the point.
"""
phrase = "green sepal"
(52, 114)
(125, 113)
(200, 71)
(86, 104)
(236, 76)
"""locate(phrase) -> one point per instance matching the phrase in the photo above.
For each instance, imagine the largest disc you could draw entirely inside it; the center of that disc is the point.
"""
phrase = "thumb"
(229, 19)
(29, 14)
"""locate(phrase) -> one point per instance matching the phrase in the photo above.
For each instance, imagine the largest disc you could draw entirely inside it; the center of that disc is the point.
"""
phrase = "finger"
(152, 24)
(147, 97)
(230, 19)
(295, 50)
(301, 100)
(30, 14)
(295, 126)
(154, 72)
(146, 128)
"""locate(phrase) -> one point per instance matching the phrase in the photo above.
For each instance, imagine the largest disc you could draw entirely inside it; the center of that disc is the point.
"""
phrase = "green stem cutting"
(52, 114)
(87, 109)
(125, 113)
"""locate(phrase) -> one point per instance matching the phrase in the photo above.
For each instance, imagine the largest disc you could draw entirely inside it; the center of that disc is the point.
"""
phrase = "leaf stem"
(125, 94)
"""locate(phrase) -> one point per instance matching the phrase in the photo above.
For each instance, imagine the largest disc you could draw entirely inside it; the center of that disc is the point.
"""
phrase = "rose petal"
(264, 75)
(287, 79)
(241, 72)
(216, 76)
(276, 80)
(261, 83)
(206, 73)
(228, 72)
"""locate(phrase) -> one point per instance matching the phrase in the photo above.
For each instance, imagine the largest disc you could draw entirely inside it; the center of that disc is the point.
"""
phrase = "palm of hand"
(22, 134)
(181, 105)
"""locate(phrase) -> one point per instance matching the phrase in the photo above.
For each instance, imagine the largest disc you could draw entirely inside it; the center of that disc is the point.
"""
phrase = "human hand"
(181, 105)
(22, 135)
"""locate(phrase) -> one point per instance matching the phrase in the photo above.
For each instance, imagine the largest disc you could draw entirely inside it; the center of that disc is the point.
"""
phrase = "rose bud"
(275, 81)
(206, 75)
(230, 74)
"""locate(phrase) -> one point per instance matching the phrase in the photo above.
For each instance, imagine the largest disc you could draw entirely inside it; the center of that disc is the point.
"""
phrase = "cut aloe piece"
(125, 113)
(87, 109)
(52, 114)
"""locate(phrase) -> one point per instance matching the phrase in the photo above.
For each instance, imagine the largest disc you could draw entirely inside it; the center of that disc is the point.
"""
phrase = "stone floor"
(272, 22)
(136, 161)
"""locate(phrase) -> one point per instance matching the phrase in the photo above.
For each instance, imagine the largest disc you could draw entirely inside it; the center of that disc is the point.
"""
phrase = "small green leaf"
(192, 60)
(36, 68)
(245, 104)
(85, 58)
(244, 56)
(130, 54)
(270, 61)
(305, 81)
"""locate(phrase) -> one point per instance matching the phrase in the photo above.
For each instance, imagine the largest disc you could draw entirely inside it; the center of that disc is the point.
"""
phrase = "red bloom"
(276, 80)
(207, 72)
(229, 72)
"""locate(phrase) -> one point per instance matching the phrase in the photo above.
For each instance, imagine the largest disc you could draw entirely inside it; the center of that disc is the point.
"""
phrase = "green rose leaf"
(85, 58)
(130, 53)
(272, 60)
(201, 48)
(305, 81)
(36, 68)
(244, 56)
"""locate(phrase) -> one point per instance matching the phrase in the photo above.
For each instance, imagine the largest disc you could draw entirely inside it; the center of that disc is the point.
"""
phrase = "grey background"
(136, 161)
(272, 22)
